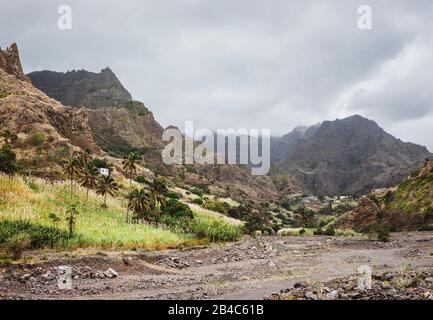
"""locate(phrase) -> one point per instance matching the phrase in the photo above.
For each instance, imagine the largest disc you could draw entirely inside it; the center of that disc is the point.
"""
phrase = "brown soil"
(248, 269)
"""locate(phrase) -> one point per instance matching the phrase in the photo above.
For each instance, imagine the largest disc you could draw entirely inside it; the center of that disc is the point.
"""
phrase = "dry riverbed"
(248, 269)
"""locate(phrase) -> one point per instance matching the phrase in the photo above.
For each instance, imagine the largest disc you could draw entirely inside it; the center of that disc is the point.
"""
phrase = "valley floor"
(248, 269)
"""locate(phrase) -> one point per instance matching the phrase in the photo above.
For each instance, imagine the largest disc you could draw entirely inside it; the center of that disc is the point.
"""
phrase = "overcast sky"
(245, 63)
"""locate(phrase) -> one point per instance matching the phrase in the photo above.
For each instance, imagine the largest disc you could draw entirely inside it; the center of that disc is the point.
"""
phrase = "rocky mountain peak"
(10, 62)
(82, 88)
(350, 155)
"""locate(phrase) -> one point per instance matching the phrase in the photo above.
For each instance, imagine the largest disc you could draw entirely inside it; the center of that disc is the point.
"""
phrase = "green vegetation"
(214, 228)
(8, 160)
(37, 138)
(137, 108)
(216, 205)
(13, 233)
(30, 210)
(130, 164)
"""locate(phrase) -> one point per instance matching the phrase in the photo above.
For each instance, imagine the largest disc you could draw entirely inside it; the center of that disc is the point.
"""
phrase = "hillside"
(46, 131)
(408, 206)
(351, 155)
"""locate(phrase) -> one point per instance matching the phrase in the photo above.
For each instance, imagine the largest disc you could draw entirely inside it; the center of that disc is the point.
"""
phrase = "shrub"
(37, 138)
(177, 209)
(17, 244)
(141, 179)
(218, 206)
(302, 231)
(8, 160)
(198, 201)
(383, 235)
(173, 195)
(40, 236)
(330, 231)
(318, 232)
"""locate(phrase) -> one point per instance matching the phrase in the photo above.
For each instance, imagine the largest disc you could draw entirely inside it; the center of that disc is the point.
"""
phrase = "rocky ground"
(321, 267)
(400, 285)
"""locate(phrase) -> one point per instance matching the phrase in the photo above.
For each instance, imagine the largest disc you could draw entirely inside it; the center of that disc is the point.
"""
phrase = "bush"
(176, 209)
(40, 236)
(330, 231)
(37, 138)
(17, 244)
(318, 232)
(173, 195)
(302, 231)
(218, 206)
(383, 235)
(8, 160)
(141, 179)
(198, 201)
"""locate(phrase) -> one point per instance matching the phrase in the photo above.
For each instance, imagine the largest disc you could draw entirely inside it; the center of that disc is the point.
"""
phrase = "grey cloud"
(244, 63)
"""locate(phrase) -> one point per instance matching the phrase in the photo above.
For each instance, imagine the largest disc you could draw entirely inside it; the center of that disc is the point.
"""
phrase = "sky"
(247, 64)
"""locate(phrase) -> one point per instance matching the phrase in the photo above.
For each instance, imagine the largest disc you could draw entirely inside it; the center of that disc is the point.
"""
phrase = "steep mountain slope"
(46, 130)
(409, 206)
(352, 155)
(118, 123)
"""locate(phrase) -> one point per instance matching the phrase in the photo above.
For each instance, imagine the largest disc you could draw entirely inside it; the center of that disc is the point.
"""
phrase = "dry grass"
(34, 200)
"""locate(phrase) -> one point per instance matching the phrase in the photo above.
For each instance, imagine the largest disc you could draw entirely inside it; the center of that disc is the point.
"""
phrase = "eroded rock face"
(364, 215)
(82, 88)
(10, 62)
(28, 112)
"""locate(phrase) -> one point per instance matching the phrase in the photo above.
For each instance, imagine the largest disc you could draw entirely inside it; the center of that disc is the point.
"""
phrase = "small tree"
(106, 185)
(8, 160)
(71, 219)
(89, 178)
(54, 219)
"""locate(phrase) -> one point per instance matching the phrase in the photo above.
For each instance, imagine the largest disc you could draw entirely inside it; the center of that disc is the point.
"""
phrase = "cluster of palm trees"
(145, 202)
(80, 167)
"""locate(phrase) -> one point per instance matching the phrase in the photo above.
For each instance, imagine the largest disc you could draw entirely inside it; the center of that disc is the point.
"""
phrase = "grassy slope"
(97, 227)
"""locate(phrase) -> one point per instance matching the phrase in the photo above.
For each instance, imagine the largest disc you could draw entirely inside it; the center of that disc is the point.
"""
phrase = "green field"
(33, 200)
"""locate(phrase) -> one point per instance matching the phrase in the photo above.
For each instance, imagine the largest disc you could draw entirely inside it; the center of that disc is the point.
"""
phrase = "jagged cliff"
(10, 62)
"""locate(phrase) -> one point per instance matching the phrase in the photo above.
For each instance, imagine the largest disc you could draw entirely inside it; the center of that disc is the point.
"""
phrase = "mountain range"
(81, 109)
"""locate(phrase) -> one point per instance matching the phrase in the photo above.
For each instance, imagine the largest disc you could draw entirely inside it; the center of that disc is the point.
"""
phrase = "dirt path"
(249, 269)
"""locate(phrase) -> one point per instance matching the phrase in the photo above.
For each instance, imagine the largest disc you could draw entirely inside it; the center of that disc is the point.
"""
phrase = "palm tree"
(157, 190)
(130, 164)
(106, 185)
(72, 169)
(89, 178)
(140, 203)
